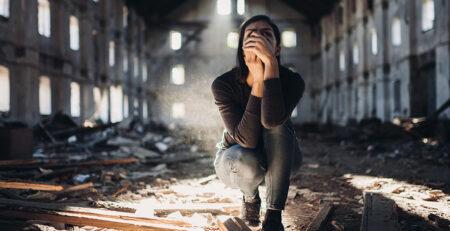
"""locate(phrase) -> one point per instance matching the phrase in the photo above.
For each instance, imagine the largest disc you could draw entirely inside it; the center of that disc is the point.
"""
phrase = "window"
(74, 33)
(374, 100)
(144, 72)
(45, 96)
(397, 96)
(111, 53)
(342, 61)
(136, 66)
(144, 109)
(116, 99)
(427, 15)
(101, 104)
(177, 74)
(75, 106)
(178, 110)
(135, 107)
(126, 106)
(224, 7)
(44, 24)
(125, 61)
(374, 41)
(4, 89)
(233, 40)
(396, 32)
(289, 38)
(355, 54)
(125, 16)
(241, 7)
(4, 8)
(175, 40)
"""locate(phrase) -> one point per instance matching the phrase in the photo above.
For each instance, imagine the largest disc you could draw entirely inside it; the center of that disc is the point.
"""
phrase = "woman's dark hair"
(242, 69)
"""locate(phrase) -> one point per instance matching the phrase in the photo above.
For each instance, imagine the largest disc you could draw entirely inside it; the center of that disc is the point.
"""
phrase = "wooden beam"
(24, 164)
(70, 214)
(227, 223)
(380, 213)
(320, 221)
(43, 187)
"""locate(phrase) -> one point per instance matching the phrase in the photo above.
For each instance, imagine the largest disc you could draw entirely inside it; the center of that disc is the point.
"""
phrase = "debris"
(81, 178)
(41, 187)
(320, 221)
(227, 223)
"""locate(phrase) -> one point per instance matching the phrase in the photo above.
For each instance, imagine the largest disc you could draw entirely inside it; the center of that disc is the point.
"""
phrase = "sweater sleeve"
(277, 105)
(243, 125)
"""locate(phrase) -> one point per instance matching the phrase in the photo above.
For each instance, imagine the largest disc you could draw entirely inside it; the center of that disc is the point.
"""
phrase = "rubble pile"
(135, 174)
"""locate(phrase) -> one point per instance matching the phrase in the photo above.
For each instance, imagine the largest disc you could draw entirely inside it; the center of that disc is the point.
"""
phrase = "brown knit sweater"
(245, 115)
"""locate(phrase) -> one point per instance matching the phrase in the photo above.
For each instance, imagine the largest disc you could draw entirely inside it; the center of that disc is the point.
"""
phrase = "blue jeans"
(274, 163)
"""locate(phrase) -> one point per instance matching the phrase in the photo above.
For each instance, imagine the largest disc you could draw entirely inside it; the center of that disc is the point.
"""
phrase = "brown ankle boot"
(250, 211)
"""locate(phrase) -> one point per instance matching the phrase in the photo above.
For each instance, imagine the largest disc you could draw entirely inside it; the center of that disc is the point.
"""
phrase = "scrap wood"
(57, 164)
(188, 208)
(320, 221)
(42, 187)
(122, 189)
(71, 214)
(380, 213)
(227, 223)
(80, 219)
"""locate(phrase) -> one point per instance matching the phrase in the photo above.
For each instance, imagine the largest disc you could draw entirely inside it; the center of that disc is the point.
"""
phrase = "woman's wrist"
(271, 69)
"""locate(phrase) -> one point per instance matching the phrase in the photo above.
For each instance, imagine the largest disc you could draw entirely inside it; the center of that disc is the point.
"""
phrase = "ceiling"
(153, 12)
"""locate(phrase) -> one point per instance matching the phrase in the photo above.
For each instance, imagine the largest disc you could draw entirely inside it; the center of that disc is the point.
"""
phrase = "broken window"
(4, 8)
(289, 38)
(396, 32)
(177, 74)
(111, 53)
(355, 54)
(178, 110)
(74, 33)
(397, 96)
(44, 22)
(75, 106)
(126, 106)
(144, 72)
(175, 40)
(144, 109)
(342, 61)
(136, 66)
(233, 40)
(224, 7)
(125, 16)
(45, 96)
(4, 89)
(241, 7)
(116, 100)
(374, 41)
(125, 61)
(427, 15)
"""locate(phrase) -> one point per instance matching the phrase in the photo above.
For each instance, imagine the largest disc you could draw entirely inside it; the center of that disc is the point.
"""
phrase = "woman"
(255, 100)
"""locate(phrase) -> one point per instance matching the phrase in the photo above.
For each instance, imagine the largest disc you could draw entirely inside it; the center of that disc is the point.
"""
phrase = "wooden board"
(380, 213)
(227, 223)
(320, 221)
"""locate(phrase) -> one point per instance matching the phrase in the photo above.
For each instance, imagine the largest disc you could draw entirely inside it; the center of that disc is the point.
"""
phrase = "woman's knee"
(244, 161)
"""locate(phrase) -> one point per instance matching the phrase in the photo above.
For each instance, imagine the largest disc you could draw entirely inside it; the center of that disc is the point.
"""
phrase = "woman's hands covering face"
(255, 65)
(263, 48)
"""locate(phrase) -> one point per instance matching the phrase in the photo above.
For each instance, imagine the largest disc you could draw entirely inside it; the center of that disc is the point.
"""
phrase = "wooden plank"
(321, 219)
(380, 213)
(43, 187)
(28, 186)
(68, 213)
(24, 164)
(227, 223)
(88, 220)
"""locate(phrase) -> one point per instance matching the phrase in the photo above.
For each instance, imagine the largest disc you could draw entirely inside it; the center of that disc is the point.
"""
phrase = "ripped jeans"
(274, 163)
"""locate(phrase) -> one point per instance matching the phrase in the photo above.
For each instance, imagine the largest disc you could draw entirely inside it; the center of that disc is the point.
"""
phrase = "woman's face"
(265, 30)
